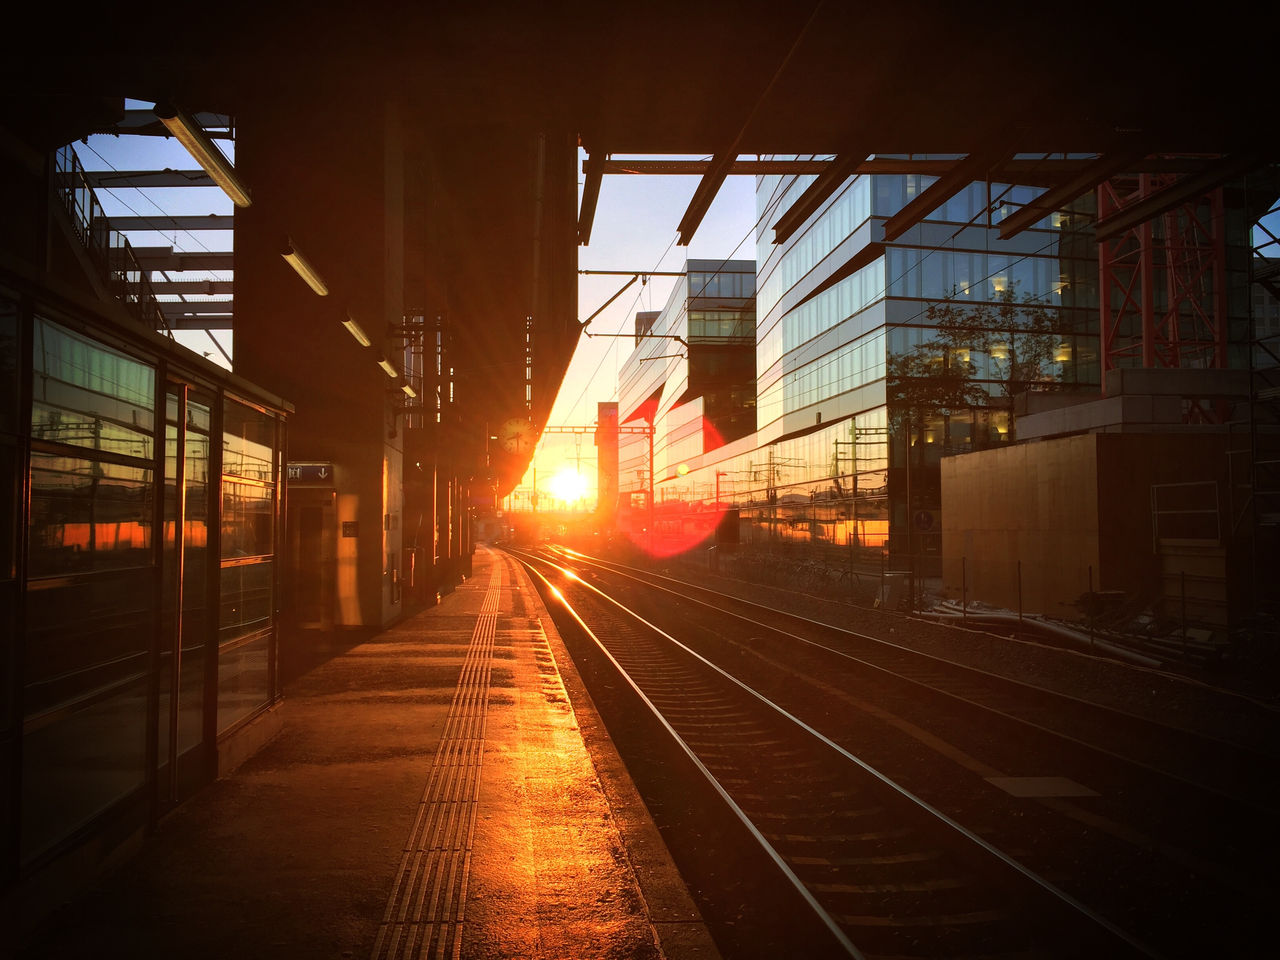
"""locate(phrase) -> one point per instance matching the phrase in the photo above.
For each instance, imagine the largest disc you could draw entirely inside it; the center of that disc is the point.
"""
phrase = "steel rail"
(827, 920)
(1256, 805)
(619, 568)
(1054, 891)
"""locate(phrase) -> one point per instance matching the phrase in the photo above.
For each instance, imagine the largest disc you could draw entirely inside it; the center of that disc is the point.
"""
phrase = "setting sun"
(568, 484)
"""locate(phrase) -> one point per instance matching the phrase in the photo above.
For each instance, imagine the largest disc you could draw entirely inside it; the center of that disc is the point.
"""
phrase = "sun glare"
(568, 484)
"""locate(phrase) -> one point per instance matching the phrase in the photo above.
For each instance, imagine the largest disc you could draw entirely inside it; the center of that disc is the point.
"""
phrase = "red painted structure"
(1162, 283)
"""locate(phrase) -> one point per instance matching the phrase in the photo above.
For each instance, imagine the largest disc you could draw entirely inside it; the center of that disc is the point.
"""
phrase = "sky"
(634, 230)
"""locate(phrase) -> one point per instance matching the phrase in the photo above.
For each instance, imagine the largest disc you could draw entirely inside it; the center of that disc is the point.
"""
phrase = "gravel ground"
(1238, 701)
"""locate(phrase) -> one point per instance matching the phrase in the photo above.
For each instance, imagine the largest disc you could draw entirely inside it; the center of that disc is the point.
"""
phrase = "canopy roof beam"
(1187, 188)
(706, 192)
(1105, 167)
(976, 166)
(593, 167)
(840, 169)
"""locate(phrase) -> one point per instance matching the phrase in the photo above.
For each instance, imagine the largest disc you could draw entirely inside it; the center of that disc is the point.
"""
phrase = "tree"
(938, 377)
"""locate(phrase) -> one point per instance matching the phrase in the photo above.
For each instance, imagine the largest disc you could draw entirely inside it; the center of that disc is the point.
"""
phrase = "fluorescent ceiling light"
(204, 152)
(409, 391)
(305, 270)
(385, 364)
(354, 329)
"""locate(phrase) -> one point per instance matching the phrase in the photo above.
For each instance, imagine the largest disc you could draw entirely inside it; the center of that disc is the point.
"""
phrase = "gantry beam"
(112, 179)
(182, 322)
(212, 288)
(196, 308)
(167, 224)
(163, 258)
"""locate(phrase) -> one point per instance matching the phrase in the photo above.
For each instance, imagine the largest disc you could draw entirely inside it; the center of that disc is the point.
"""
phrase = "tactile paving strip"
(425, 910)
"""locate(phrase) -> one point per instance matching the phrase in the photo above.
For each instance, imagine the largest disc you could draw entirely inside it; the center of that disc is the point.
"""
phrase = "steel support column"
(1162, 281)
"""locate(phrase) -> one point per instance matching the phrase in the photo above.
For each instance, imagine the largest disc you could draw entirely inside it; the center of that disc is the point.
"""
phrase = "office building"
(691, 380)
(882, 349)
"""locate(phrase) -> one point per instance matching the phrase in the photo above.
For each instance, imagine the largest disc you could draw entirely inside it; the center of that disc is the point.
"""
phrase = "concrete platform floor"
(444, 789)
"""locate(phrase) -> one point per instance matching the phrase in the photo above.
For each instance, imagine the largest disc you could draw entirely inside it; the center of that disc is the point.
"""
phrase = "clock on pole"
(516, 435)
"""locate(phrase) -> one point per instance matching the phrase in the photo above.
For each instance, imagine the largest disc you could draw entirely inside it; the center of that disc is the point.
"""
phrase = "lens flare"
(687, 509)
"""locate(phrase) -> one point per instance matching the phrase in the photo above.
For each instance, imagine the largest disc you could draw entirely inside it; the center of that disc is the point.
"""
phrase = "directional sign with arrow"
(310, 473)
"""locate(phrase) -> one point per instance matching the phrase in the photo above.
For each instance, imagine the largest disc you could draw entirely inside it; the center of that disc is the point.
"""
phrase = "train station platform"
(444, 789)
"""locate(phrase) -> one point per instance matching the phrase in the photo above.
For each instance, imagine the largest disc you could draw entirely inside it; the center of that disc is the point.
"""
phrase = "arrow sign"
(309, 473)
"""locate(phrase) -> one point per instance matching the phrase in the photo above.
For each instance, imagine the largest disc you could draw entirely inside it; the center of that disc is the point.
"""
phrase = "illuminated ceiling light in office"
(409, 391)
(304, 269)
(204, 152)
(387, 368)
(355, 330)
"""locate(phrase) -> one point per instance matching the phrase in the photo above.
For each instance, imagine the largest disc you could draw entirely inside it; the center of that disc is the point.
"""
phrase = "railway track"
(1217, 766)
(880, 870)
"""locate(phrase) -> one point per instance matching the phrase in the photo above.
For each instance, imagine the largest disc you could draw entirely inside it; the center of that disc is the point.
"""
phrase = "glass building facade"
(140, 515)
(875, 359)
(691, 376)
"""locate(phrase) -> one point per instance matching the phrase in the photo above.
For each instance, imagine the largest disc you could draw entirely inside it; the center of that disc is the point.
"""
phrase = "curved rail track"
(883, 870)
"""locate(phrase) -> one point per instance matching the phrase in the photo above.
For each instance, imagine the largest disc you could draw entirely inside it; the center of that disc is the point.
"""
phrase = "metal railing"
(109, 250)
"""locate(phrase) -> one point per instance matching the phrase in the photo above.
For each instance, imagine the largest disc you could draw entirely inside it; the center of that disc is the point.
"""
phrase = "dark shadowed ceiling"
(482, 79)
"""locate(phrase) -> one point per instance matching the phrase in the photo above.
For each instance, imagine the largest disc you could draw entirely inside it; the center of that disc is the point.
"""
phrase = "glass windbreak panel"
(243, 679)
(192, 625)
(84, 699)
(8, 572)
(245, 599)
(248, 439)
(80, 762)
(248, 518)
(170, 578)
(195, 594)
(88, 515)
(244, 638)
(199, 416)
(9, 488)
(196, 527)
(9, 379)
(87, 395)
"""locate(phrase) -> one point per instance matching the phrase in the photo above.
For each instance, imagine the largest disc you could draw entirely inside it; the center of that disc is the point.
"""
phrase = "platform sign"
(310, 473)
